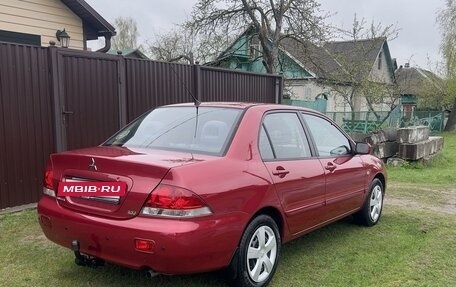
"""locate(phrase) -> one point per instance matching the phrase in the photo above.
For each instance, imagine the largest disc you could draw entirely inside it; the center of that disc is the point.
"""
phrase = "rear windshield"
(203, 129)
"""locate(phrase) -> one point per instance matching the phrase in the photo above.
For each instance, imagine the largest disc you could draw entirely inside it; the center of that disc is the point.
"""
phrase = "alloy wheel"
(376, 202)
(261, 254)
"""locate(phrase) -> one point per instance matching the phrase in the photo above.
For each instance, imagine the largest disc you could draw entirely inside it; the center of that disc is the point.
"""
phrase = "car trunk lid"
(141, 170)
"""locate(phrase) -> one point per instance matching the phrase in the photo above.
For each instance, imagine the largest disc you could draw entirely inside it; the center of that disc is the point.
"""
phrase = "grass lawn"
(413, 245)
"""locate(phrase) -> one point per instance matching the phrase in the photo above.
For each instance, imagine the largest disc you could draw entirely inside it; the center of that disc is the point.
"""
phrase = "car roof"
(243, 105)
(217, 104)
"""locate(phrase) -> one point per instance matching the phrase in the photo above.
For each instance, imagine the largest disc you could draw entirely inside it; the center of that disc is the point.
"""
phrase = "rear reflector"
(48, 191)
(145, 245)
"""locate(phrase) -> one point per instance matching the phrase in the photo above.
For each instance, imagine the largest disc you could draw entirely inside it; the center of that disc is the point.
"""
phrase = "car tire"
(371, 211)
(257, 257)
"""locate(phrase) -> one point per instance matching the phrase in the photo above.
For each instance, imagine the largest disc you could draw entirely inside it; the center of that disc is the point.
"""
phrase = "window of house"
(20, 38)
(254, 47)
(379, 61)
(307, 94)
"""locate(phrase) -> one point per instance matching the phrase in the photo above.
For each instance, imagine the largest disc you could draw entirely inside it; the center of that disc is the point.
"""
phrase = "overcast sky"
(418, 40)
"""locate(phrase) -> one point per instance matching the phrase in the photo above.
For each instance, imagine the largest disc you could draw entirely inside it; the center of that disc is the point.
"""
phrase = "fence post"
(122, 90)
(57, 100)
(278, 89)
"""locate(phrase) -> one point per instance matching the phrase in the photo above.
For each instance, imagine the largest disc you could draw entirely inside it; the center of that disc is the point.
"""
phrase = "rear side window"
(203, 129)
(265, 145)
(282, 137)
(330, 141)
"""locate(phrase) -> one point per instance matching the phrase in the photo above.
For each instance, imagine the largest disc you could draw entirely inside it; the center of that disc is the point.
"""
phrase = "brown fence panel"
(150, 84)
(236, 86)
(26, 137)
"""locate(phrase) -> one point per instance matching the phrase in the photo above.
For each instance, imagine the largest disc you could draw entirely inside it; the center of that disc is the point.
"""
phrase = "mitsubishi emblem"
(92, 165)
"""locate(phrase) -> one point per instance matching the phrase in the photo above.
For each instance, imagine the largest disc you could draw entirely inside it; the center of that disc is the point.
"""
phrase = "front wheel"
(259, 251)
(370, 214)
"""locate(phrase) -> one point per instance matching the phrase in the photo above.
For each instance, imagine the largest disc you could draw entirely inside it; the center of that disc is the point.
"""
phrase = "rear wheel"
(258, 254)
(370, 214)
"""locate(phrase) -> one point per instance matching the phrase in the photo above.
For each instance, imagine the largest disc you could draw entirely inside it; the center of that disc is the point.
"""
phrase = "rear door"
(299, 178)
(345, 172)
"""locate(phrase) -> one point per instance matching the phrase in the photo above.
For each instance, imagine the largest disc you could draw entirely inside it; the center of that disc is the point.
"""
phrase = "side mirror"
(363, 148)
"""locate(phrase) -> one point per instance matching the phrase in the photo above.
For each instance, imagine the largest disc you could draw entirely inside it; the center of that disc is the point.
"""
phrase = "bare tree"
(447, 21)
(356, 80)
(361, 30)
(174, 46)
(127, 34)
(273, 21)
(183, 45)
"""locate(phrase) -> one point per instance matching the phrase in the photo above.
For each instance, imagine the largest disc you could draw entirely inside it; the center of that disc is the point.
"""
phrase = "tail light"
(48, 182)
(173, 201)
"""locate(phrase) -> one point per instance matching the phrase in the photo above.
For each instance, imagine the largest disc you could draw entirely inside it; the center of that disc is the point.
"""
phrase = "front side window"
(282, 137)
(192, 129)
(330, 141)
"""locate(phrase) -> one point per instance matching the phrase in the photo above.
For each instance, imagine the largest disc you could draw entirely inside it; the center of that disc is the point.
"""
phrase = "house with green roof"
(329, 71)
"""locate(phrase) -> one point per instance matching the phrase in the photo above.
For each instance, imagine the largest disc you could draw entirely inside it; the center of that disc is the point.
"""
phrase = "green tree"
(447, 20)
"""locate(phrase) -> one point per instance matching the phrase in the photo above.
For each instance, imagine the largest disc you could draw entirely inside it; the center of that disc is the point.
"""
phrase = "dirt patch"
(448, 208)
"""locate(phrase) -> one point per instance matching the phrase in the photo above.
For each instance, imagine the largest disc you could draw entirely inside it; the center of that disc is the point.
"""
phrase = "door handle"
(67, 112)
(330, 166)
(280, 172)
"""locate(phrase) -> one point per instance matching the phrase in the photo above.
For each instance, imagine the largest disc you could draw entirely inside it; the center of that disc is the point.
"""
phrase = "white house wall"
(308, 90)
(382, 75)
(41, 17)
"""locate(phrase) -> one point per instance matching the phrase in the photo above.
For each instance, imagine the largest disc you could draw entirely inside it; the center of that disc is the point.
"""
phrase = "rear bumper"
(181, 246)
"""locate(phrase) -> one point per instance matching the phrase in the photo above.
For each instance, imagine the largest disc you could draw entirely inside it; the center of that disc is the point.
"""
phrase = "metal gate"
(88, 102)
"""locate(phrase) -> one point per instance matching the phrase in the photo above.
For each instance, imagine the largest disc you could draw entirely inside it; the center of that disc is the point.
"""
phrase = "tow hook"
(84, 260)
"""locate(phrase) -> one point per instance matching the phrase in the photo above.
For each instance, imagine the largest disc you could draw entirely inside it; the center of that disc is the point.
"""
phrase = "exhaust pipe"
(151, 273)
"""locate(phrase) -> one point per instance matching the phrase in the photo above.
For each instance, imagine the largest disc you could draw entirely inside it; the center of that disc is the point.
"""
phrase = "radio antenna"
(195, 100)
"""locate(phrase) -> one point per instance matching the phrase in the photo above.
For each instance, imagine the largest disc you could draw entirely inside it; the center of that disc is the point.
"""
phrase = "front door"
(345, 175)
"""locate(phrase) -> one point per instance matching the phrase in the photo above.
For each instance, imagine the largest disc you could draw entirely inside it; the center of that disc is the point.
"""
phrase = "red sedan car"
(209, 186)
